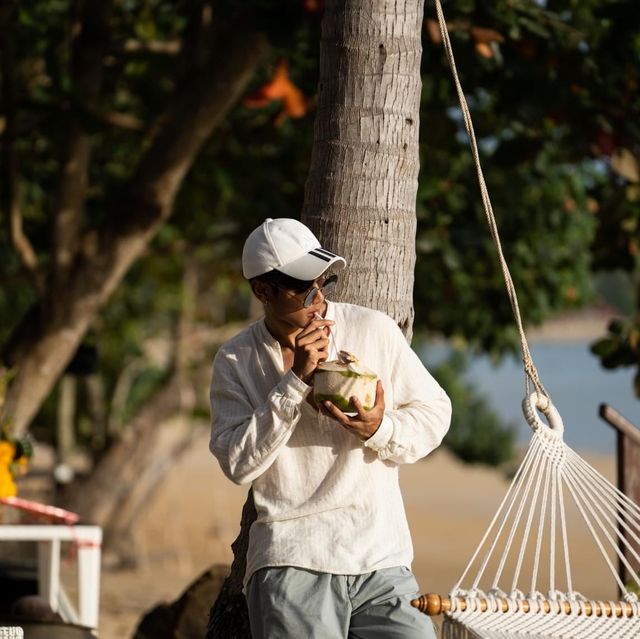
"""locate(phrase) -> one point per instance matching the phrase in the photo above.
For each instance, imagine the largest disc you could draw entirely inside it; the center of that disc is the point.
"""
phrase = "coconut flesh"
(341, 379)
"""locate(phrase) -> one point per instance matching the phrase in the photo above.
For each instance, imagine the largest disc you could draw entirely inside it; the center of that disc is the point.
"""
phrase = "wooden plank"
(628, 465)
(630, 455)
(620, 423)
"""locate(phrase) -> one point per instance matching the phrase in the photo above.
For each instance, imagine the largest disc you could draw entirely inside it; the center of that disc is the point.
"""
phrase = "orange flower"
(7, 451)
(313, 6)
(279, 87)
(8, 487)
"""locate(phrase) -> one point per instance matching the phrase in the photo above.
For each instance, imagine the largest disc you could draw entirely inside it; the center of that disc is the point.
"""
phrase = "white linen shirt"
(325, 500)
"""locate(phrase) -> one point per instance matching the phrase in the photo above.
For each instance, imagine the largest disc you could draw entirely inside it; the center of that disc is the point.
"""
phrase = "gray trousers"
(294, 603)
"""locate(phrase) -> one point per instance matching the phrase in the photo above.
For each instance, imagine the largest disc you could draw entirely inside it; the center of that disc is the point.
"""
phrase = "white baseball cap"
(288, 246)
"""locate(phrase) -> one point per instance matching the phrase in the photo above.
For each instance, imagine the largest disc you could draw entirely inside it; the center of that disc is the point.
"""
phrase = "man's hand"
(311, 348)
(366, 422)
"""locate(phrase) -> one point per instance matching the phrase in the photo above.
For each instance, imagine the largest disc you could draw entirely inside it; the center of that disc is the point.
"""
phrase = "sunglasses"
(326, 287)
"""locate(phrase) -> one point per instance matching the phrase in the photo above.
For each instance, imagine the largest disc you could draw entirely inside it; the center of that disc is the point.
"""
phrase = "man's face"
(287, 305)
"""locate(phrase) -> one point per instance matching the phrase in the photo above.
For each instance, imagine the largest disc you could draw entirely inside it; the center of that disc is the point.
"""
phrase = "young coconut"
(341, 379)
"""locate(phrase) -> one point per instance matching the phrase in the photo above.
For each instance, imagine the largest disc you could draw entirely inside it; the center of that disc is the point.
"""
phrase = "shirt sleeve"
(246, 440)
(421, 414)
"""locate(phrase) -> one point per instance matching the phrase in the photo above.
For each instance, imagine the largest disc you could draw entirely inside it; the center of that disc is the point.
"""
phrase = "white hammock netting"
(537, 625)
(527, 542)
(523, 585)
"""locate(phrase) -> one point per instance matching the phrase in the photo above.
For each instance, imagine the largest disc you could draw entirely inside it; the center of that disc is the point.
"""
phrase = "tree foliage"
(552, 97)
(553, 90)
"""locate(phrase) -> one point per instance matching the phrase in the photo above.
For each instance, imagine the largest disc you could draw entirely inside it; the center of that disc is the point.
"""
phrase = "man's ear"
(262, 291)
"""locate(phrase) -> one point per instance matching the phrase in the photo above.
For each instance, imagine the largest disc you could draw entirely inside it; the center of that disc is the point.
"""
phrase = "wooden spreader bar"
(432, 604)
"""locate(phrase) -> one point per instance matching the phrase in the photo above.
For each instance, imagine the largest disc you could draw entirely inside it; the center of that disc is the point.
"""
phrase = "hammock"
(529, 530)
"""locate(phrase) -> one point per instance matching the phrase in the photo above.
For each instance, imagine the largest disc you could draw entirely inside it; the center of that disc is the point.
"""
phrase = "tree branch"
(43, 344)
(89, 49)
(163, 47)
(10, 183)
(123, 121)
(19, 239)
(202, 101)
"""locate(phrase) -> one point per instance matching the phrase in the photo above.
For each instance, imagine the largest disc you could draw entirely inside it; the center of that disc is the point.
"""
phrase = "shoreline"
(584, 325)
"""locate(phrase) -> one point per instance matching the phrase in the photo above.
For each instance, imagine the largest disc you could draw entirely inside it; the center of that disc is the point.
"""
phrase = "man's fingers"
(315, 325)
(357, 404)
(315, 333)
(335, 412)
(313, 336)
(379, 395)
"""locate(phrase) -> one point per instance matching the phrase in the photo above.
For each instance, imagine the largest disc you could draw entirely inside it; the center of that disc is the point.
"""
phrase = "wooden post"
(628, 468)
(66, 424)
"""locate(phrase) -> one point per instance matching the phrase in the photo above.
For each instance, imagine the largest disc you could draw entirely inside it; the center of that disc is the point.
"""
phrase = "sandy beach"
(195, 516)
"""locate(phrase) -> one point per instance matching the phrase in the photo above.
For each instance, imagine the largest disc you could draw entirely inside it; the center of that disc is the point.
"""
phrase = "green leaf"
(605, 347)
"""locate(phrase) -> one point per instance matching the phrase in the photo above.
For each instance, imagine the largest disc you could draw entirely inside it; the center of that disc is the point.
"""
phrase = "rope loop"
(513, 605)
(557, 595)
(478, 593)
(530, 406)
(537, 595)
(516, 593)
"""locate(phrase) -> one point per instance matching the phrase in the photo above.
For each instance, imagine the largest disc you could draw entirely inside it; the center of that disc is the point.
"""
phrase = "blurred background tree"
(143, 139)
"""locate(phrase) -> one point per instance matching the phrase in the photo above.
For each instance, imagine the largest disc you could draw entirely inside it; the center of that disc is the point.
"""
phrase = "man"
(330, 551)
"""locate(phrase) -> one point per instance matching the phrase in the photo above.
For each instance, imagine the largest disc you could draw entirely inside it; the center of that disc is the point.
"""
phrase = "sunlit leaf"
(484, 50)
(625, 164)
(433, 28)
(481, 34)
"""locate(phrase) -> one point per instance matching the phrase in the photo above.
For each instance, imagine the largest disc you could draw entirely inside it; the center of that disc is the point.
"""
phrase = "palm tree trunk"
(360, 196)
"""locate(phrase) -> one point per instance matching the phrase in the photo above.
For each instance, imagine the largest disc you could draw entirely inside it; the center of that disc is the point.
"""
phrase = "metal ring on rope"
(534, 403)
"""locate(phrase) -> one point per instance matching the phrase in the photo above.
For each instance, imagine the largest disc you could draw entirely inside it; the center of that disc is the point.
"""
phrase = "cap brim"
(312, 265)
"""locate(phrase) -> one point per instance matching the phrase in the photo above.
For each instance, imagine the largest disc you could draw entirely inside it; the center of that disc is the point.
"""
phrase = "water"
(574, 379)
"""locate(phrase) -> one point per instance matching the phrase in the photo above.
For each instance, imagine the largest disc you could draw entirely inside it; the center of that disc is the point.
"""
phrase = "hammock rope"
(533, 518)
(531, 372)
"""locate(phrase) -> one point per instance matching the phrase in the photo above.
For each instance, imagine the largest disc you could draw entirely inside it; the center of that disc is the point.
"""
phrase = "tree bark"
(229, 617)
(360, 196)
(10, 196)
(89, 48)
(48, 336)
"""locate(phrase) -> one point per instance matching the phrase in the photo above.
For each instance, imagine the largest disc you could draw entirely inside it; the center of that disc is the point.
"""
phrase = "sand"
(195, 516)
